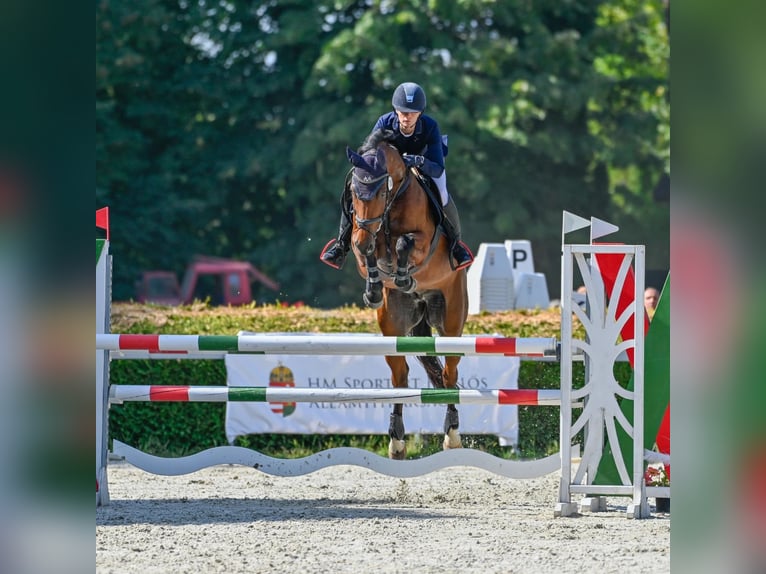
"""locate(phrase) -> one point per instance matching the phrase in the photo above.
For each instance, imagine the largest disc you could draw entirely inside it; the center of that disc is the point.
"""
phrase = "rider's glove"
(413, 160)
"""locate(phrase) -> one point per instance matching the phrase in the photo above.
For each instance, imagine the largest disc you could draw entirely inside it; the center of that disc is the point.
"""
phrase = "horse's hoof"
(372, 304)
(407, 286)
(452, 440)
(396, 449)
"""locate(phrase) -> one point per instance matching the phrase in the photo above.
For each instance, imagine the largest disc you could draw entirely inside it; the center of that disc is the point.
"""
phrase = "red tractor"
(222, 281)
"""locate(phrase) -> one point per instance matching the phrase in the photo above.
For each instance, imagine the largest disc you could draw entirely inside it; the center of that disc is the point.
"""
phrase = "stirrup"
(336, 260)
(466, 251)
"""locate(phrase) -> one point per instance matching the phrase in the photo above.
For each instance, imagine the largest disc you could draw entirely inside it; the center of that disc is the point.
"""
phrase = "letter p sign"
(519, 253)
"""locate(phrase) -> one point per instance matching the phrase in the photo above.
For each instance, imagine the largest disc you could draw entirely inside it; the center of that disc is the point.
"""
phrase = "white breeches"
(441, 183)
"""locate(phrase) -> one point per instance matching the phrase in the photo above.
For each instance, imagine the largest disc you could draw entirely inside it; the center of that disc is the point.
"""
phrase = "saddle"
(432, 192)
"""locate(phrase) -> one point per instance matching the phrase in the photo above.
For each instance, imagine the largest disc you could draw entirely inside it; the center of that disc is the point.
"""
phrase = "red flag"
(609, 264)
(102, 220)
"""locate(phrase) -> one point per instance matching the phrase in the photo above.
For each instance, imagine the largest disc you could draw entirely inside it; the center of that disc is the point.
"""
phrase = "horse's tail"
(431, 364)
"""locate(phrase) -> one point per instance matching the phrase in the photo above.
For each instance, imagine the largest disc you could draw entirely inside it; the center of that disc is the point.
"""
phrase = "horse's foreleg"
(451, 419)
(403, 280)
(373, 288)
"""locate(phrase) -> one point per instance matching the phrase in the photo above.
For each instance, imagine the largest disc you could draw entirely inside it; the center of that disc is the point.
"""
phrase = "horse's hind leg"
(395, 318)
(397, 448)
(399, 372)
(451, 432)
(451, 419)
(451, 319)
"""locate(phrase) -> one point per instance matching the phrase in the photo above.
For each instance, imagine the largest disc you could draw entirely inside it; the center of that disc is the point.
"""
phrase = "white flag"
(599, 228)
(573, 222)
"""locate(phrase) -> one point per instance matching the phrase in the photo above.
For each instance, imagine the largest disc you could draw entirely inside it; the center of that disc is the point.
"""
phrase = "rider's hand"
(413, 160)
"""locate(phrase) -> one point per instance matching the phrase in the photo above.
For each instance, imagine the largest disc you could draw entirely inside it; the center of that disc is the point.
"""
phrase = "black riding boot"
(461, 255)
(334, 253)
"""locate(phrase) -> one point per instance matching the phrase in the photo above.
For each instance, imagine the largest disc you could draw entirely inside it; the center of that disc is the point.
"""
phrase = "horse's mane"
(377, 136)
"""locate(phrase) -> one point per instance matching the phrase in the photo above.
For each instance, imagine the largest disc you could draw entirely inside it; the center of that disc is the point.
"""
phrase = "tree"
(222, 126)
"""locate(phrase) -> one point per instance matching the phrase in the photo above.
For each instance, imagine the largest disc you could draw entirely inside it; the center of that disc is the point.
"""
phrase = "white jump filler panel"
(490, 280)
(503, 277)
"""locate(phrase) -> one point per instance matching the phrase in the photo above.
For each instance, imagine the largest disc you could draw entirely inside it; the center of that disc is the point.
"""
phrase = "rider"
(418, 139)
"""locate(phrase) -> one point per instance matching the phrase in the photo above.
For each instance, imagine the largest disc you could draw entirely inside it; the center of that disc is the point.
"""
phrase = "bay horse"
(404, 258)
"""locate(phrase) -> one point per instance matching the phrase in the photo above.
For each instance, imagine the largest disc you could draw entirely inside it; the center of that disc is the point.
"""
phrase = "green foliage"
(221, 127)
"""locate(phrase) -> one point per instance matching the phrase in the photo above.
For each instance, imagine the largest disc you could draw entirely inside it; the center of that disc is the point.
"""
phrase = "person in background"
(581, 297)
(651, 296)
(419, 140)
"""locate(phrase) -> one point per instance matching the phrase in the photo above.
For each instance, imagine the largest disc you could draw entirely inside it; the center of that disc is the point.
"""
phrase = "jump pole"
(166, 393)
(330, 345)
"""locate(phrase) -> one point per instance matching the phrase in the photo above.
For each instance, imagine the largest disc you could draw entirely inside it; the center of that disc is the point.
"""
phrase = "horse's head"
(377, 163)
(369, 174)
(377, 176)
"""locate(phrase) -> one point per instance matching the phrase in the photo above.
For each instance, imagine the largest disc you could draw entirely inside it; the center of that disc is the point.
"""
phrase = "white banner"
(363, 372)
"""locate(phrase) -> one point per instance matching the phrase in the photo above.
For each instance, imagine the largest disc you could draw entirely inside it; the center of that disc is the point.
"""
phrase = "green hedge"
(174, 429)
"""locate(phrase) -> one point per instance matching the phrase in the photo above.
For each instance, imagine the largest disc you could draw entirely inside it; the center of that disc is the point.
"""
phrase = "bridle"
(382, 219)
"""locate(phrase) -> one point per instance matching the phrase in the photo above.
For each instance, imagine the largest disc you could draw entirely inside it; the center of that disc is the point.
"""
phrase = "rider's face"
(407, 121)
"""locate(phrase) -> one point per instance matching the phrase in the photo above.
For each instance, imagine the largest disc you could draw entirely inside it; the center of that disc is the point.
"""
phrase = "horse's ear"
(380, 158)
(354, 157)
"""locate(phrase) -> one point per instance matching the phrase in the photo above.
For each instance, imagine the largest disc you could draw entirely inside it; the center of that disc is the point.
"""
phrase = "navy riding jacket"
(426, 140)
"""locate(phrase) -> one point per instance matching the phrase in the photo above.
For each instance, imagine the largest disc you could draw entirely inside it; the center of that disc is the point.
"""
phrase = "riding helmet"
(409, 97)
